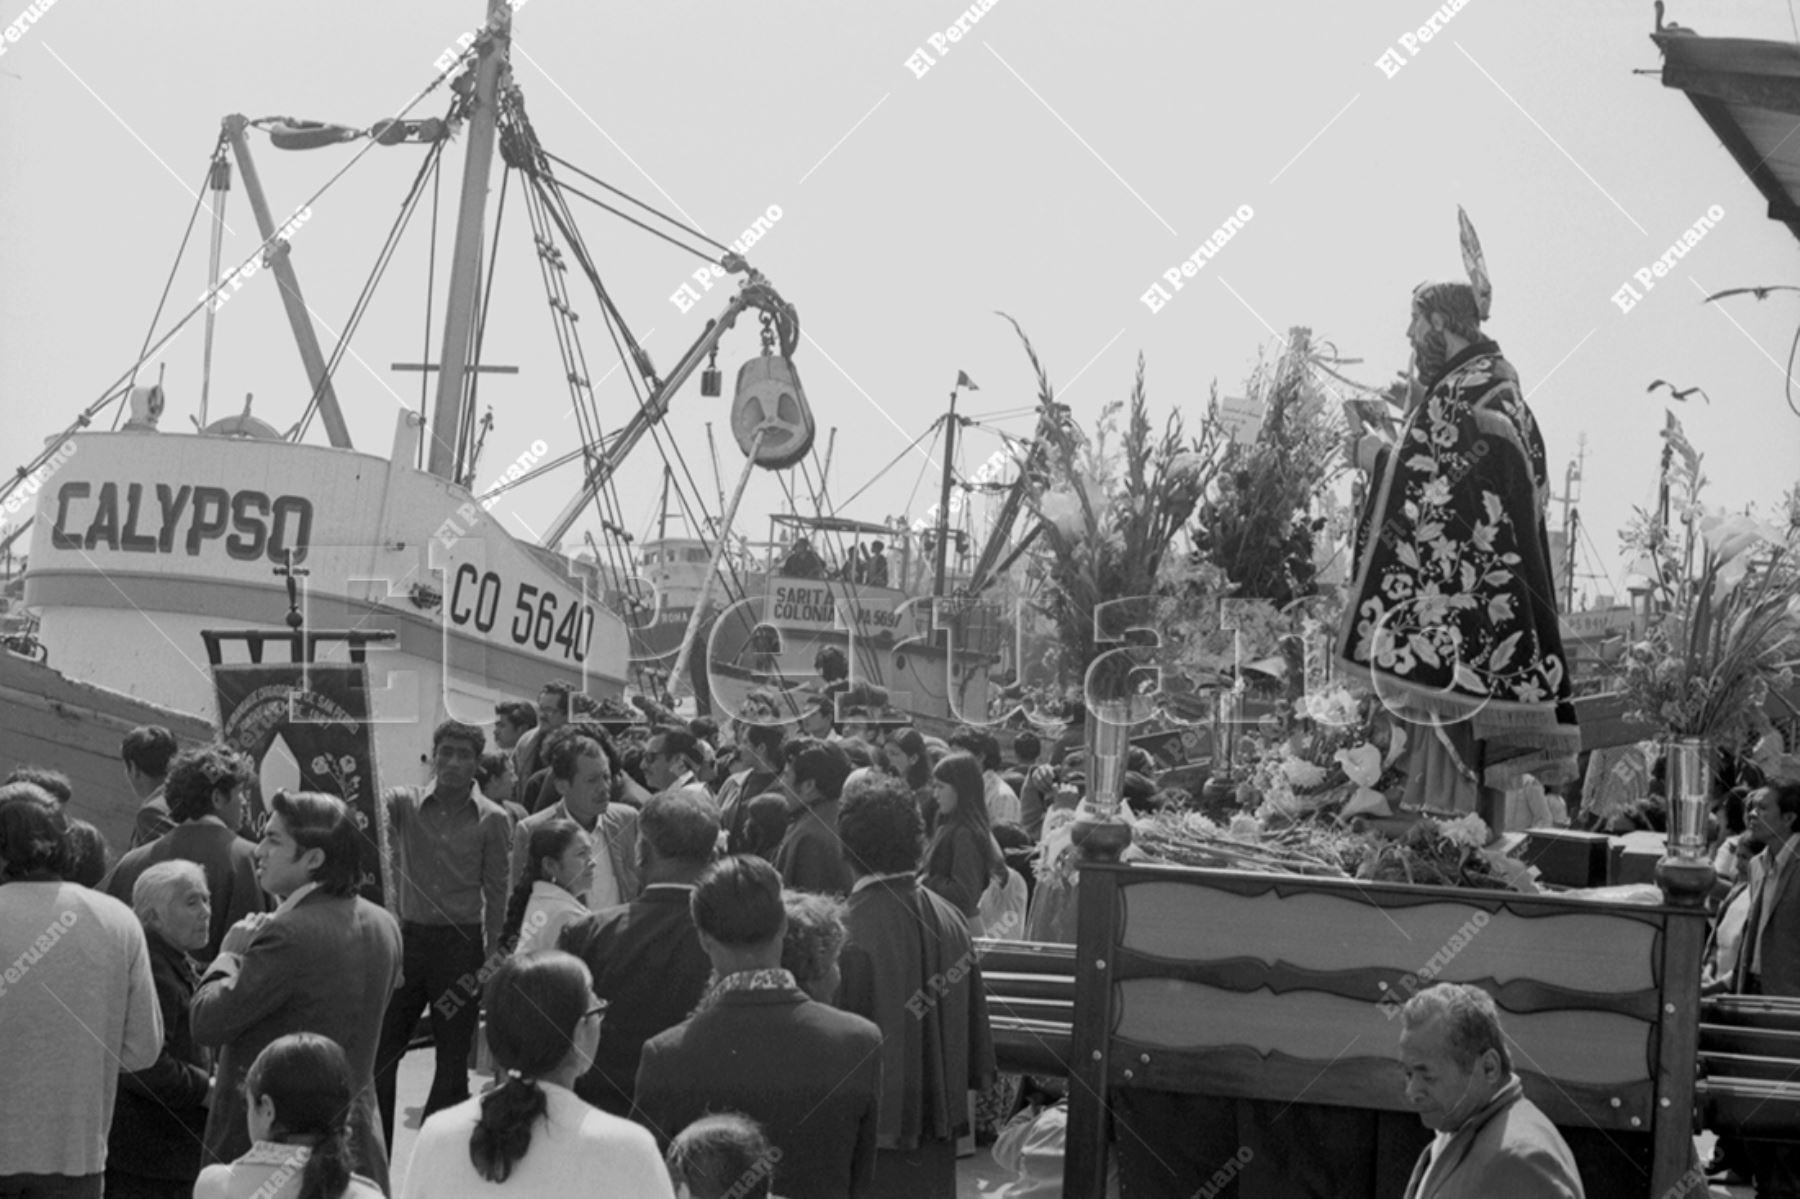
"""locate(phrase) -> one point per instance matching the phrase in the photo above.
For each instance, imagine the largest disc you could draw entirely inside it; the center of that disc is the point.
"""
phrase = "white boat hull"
(143, 540)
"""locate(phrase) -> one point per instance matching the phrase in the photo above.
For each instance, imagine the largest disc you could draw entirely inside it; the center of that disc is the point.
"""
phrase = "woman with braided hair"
(530, 1135)
(299, 1094)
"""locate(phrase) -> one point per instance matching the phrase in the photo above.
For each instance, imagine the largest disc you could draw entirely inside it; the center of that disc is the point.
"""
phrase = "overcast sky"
(1053, 162)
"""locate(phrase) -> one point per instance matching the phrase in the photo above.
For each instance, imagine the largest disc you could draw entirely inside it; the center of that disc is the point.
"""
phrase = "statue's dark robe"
(1452, 615)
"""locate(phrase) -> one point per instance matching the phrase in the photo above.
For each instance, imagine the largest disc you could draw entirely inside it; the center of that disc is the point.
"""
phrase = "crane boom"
(754, 294)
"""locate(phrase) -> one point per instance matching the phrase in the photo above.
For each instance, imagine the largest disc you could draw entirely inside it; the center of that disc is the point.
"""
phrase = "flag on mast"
(963, 380)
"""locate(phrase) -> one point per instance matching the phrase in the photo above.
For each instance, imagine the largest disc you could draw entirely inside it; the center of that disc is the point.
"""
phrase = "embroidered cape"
(1453, 611)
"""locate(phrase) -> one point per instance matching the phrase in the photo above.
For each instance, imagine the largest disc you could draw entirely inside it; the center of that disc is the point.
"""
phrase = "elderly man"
(645, 956)
(1452, 615)
(585, 769)
(325, 961)
(1491, 1142)
(808, 1073)
(910, 966)
(153, 1150)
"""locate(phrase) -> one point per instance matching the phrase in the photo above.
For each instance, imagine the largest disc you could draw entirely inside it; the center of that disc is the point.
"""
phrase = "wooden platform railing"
(1030, 1002)
(1750, 1067)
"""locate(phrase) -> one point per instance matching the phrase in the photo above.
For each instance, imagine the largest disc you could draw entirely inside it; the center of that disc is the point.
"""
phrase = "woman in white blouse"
(531, 1136)
(558, 870)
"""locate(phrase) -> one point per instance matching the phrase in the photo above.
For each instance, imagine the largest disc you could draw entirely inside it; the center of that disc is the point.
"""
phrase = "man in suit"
(672, 761)
(909, 965)
(808, 1073)
(585, 768)
(1491, 1140)
(1769, 962)
(146, 751)
(645, 956)
(529, 751)
(325, 961)
(810, 857)
(206, 790)
(760, 761)
(1769, 957)
(153, 1150)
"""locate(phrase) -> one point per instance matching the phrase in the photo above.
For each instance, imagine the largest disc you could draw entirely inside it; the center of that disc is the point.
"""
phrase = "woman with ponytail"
(559, 868)
(299, 1094)
(530, 1135)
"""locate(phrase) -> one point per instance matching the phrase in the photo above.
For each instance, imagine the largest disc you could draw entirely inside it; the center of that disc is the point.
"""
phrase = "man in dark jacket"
(1491, 1140)
(910, 966)
(325, 961)
(146, 751)
(153, 1150)
(205, 790)
(808, 1073)
(645, 956)
(810, 857)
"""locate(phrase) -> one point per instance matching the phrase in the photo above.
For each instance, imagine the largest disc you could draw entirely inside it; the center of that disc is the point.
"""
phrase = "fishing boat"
(144, 536)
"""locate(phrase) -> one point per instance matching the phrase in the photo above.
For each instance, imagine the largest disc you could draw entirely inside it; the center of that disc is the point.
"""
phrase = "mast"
(943, 521)
(465, 264)
(299, 317)
(1571, 520)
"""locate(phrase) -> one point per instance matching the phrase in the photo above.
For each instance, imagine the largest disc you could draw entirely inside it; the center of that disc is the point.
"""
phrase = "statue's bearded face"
(1431, 348)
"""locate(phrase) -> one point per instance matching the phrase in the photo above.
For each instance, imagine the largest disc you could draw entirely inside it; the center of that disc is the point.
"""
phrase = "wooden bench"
(1030, 1002)
(1750, 1066)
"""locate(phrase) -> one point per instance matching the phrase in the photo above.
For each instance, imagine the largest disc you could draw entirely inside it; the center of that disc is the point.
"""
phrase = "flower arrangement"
(1333, 753)
(1447, 853)
(1108, 519)
(1727, 631)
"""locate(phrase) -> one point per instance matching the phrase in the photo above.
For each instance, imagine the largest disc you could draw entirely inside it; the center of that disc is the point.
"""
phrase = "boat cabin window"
(696, 555)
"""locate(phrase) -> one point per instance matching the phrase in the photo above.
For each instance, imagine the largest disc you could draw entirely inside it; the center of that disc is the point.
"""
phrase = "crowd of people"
(653, 959)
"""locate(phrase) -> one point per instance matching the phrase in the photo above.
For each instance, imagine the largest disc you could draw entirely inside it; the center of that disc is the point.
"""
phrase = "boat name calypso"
(151, 516)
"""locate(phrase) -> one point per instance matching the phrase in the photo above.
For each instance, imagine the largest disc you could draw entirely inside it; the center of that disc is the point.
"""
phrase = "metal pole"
(825, 471)
(465, 263)
(943, 521)
(678, 681)
(299, 318)
(221, 185)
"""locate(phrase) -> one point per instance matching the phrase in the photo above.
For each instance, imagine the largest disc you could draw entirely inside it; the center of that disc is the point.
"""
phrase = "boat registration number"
(536, 619)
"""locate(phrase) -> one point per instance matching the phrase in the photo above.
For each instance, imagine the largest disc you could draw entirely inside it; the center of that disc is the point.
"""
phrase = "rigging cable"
(408, 206)
(641, 204)
(199, 202)
(437, 181)
(472, 379)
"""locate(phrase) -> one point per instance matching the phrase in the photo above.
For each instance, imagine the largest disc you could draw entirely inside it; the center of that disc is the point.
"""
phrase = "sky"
(1052, 162)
